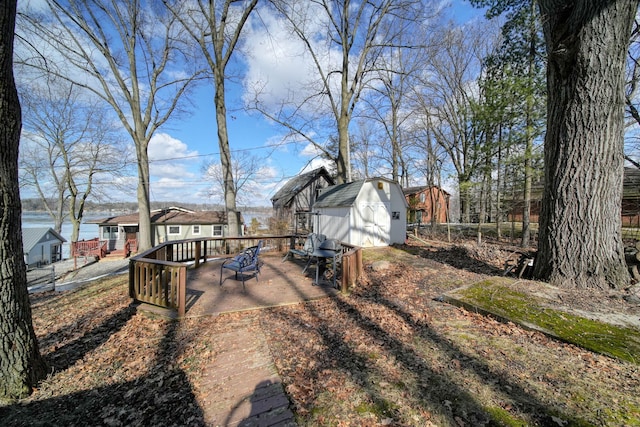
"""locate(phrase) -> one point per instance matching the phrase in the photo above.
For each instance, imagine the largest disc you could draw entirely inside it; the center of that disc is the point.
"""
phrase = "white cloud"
(310, 150)
(164, 147)
(171, 166)
(280, 70)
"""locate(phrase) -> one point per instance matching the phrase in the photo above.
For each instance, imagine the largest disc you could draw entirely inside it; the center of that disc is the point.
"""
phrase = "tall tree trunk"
(342, 162)
(528, 152)
(144, 196)
(580, 241)
(528, 172)
(233, 216)
(499, 185)
(21, 365)
(464, 188)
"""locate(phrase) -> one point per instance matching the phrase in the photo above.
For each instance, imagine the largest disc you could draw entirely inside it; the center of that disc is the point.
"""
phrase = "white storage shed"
(366, 213)
(42, 245)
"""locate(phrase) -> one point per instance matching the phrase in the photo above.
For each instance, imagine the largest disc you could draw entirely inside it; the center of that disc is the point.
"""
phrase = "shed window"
(195, 230)
(217, 231)
(174, 229)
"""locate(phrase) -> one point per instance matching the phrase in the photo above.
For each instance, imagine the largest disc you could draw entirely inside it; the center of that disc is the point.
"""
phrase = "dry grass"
(387, 354)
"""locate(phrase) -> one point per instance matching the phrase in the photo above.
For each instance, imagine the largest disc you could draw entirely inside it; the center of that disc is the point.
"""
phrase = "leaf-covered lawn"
(387, 354)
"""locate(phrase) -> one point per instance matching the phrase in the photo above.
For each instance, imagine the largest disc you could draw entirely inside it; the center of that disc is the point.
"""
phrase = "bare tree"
(445, 96)
(388, 101)
(246, 170)
(343, 41)
(632, 95)
(67, 142)
(125, 52)
(580, 225)
(21, 365)
(216, 27)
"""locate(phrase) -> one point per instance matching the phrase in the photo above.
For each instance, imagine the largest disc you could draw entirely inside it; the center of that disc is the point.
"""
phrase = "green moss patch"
(495, 297)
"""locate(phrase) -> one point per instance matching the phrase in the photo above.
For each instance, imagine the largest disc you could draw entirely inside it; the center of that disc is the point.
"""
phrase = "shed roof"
(341, 195)
(32, 236)
(169, 216)
(298, 183)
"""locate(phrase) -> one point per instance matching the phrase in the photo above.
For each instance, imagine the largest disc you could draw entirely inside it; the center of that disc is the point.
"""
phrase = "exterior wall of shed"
(43, 253)
(335, 223)
(352, 224)
(393, 198)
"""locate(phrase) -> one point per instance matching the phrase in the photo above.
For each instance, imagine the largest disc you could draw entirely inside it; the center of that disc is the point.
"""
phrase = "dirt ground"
(388, 353)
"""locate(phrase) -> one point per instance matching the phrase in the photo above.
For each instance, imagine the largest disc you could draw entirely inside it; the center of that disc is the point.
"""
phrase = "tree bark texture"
(21, 365)
(233, 215)
(580, 242)
(144, 192)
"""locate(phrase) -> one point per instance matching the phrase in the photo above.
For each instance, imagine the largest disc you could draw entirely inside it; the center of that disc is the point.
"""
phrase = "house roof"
(32, 236)
(298, 183)
(408, 191)
(169, 216)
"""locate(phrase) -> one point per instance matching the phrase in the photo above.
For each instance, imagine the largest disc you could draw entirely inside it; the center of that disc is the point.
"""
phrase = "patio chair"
(246, 261)
(312, 242)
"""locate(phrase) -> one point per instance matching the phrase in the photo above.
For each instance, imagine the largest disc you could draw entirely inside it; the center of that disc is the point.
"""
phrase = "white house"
(172, 223)
(369, 212)
(41, 245)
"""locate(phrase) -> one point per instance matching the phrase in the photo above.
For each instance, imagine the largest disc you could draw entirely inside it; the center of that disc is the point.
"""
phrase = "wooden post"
(182, 291)
(346, 274)
(197, 254)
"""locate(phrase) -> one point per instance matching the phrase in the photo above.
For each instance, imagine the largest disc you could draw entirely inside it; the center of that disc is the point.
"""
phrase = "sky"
(181, 149)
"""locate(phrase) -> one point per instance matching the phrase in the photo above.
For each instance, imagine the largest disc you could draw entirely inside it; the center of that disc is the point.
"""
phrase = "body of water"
(90, 231)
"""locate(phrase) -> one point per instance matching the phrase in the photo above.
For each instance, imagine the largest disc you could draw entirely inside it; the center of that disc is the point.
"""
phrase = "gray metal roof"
(339, 195)
(33, 236)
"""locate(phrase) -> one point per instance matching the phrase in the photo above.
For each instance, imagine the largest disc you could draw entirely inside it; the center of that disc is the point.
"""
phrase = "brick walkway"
(245, 389)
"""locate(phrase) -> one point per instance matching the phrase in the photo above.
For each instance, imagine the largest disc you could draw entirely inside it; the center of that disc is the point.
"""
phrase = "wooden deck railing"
(91, 247)
(351, 266)
(159, 276)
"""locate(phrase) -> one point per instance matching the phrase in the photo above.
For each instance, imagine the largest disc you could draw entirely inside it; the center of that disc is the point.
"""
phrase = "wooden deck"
(279, 283)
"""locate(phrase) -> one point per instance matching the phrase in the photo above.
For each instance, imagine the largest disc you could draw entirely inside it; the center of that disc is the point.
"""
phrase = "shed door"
(375, 226)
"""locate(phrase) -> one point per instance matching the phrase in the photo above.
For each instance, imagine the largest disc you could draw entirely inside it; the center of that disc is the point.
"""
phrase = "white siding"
(378, 217)
(41, 253)
(334, 223)
(398, 211)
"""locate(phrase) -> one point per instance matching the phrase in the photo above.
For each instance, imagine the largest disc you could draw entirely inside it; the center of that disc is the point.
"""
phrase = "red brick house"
(427, 204)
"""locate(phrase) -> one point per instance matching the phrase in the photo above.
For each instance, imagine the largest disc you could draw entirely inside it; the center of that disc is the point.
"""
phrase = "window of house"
(174, 229)
(195, 230)
(110, 232)
(395, 215)
(217, 231)
(423, 197)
